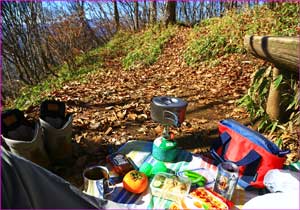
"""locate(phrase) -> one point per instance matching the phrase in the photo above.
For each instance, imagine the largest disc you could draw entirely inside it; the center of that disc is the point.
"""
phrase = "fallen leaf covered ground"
(113, 107)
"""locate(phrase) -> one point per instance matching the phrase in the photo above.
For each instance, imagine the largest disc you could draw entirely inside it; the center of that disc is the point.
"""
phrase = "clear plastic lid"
(169, 186)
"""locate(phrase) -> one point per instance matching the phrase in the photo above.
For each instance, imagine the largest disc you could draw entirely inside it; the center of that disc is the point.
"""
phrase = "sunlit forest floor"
(113, 107)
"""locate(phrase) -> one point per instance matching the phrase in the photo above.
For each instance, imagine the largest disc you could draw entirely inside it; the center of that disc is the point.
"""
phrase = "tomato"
(174, 206)
(135, 182)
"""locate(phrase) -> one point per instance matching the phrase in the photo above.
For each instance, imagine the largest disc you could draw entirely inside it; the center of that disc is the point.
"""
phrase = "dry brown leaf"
(121, 115)
(142, 117)
(202, 121)
(113, 119)
(131, 116)
(95, 125)
(108, 131)
(109, 107)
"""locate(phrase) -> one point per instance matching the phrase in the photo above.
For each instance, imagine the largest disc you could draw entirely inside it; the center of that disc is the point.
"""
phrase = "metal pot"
(168, 110)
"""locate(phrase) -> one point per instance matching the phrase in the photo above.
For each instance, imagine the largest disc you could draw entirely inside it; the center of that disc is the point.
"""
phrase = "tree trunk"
(116, 15)
(87, 28)
(145, 13)
(185, 12)
(211, 8)
(170, 16)
(229, 5)
(194, 13)
(236, 4)
(40, 48)
(272, 5)
(153, 12)
(201, 12)
(208, 8)
(136, 15)
(221, 9)
(9, 82)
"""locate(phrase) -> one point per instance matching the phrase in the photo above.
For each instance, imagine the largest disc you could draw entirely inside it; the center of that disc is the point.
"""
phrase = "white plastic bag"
(274, 201)
(281, 181)
(284, 188)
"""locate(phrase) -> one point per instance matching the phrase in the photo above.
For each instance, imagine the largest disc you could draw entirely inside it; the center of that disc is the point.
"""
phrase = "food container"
(190, 202)
(207, 174)
(169, 186)
(168, 110)
(207, 199)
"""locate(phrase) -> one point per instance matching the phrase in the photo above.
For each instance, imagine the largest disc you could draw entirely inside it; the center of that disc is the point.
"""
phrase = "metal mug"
(96, 182)
(227, 178)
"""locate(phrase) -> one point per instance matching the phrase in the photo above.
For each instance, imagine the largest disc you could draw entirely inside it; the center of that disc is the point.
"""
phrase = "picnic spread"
(140, 152)
(158, 175)
(244, 170)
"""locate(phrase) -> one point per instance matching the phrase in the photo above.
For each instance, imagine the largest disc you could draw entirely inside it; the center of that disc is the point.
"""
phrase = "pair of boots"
(43, 142)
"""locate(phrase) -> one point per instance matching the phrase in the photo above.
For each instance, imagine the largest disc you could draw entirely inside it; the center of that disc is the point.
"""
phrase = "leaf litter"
(113, 107)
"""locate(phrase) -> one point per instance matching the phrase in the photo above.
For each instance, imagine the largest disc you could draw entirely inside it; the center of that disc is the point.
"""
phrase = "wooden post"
(273, 103)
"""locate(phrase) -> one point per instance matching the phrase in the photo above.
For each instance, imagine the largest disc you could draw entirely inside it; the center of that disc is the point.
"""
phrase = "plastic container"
(209, 176)
(190, 202)
(169, 186)
(208, 199)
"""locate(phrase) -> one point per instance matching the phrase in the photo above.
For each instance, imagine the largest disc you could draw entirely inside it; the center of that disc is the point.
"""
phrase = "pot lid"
(168, 102)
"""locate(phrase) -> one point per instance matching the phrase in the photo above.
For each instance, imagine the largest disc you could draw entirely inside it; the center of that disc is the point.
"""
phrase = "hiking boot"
(57, 130)
(24, 138)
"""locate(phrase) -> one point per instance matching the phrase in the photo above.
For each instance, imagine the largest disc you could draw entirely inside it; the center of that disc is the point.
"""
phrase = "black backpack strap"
(223, 143)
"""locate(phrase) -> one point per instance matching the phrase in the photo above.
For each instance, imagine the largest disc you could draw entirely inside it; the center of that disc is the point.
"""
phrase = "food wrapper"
(202, 198)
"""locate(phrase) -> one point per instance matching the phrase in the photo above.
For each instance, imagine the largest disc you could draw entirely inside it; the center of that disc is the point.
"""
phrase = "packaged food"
(190, 202)
(174, 206)
(199, 177)
(169, 186)
(208, 199)
(119, 163)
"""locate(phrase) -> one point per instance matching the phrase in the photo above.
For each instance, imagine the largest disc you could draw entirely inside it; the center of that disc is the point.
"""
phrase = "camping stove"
(168, 111)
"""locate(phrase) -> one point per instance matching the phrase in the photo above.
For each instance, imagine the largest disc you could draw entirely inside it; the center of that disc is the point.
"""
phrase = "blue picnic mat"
(140, 152)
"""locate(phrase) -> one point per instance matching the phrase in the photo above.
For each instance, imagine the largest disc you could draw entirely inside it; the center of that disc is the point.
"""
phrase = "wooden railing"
(284, 53)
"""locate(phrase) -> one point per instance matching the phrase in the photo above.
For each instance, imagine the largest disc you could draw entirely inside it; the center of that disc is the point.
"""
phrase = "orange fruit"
(135, 182)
